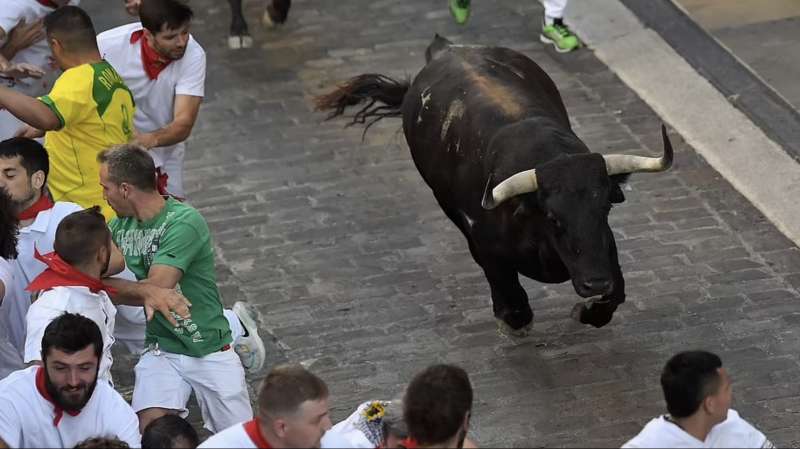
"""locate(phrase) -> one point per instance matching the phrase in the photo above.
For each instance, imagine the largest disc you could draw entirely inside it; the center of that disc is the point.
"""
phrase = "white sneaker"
(250, 349)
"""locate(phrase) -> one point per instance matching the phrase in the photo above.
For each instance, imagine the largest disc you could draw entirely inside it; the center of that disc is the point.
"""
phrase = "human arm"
(185, 115)
(116, 263)
(29, 132)
(22, 36)
(29, 110)
(152, 297)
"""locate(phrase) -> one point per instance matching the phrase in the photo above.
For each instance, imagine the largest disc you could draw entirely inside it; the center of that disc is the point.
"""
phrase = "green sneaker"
(460, 10)
(560, 36)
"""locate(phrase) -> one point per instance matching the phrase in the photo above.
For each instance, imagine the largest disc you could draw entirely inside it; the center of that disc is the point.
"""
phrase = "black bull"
(489, 134)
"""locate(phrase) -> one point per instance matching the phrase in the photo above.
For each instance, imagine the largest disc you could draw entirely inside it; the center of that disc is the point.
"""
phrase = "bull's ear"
(616, 196)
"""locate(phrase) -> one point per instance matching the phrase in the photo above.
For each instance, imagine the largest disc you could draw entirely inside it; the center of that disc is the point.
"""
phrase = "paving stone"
(355, 271)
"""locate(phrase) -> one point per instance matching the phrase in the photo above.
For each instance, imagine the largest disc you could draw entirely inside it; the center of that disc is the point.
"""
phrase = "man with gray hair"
(168, 243)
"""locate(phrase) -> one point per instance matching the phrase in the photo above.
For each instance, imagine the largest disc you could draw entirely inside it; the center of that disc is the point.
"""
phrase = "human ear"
(38, 179)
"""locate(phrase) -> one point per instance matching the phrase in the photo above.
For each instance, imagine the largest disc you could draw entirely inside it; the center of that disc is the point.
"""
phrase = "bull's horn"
(522, 182)
(617, 164)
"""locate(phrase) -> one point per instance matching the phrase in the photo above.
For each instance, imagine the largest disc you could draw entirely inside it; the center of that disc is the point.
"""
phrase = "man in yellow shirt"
(88, 110)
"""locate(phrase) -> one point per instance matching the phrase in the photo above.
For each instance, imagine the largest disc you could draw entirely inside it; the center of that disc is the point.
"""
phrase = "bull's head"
(575, 193)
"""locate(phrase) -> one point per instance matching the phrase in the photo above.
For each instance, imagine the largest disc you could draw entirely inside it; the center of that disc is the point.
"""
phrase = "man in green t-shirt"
(168, 243)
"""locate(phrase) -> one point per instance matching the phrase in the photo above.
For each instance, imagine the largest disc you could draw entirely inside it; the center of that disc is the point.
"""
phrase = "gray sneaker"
(250, 349)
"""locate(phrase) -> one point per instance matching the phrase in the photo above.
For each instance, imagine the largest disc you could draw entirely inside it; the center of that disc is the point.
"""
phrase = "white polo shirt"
(27, 419)
(244, 435)
(733, 432)
(41, 234)
(10, 359)
(155, 99)
(54, 302)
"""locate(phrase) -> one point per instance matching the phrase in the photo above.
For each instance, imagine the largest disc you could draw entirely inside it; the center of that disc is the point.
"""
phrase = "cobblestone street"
(357, 273)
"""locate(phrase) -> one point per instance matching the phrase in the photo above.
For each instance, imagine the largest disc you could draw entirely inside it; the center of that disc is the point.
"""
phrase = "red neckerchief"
(253, 430)
(409, 443)
(43, 203)
(61, 274)
(162, 178)
(152, 61)
(48, 3)
(56, 408)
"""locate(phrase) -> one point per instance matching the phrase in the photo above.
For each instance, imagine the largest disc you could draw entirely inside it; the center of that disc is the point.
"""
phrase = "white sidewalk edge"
(740, 151)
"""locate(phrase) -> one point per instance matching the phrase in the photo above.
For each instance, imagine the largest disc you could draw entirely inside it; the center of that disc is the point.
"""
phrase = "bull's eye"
(554, 220)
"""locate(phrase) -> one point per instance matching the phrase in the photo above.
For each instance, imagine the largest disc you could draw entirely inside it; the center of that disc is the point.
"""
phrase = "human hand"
(166, 301)
(30, 132)
(147, 140)
(132, 6)
(23, 70)
(23, 35)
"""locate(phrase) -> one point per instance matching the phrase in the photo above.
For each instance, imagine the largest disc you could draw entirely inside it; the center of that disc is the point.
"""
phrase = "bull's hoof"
(505, 329)
(595, 316)
(516, 323)
(238, 42)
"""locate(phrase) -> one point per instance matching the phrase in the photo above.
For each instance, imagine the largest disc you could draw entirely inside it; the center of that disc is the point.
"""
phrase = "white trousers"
(166, 380)
(554, 8)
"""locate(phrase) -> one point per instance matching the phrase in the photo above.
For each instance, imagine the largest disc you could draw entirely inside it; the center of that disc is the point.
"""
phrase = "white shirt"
(243, 435)
(10, 359)
(733, 432)
(37, 54)
(41, 234)
(155, 99)
(355, 431)
(27, 419)
(54, 302)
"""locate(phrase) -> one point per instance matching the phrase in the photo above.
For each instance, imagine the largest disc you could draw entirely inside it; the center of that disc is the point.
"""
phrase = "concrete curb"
(740, 151)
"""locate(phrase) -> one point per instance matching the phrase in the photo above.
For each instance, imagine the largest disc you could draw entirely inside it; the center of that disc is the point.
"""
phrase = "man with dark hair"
(167, 243)
(293, 412)
(102, 443)
(61, 403)
(437, 407)
(24, 169)
(71, 283)
(165, 68)
(10, 360)
(698, 393)
(169, 431)
(89, 109)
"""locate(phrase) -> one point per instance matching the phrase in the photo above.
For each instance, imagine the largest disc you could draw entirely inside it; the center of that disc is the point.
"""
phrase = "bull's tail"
(383, 95)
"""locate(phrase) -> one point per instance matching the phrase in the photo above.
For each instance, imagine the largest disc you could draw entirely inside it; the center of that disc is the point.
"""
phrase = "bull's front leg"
(239, 35)
(598, 312)
(276, 13)
(509, 300)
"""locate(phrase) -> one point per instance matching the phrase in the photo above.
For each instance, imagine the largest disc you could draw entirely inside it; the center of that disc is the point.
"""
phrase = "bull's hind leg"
(239, 35)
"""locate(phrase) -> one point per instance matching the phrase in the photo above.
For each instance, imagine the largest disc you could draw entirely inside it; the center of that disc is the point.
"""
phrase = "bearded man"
(61, 403)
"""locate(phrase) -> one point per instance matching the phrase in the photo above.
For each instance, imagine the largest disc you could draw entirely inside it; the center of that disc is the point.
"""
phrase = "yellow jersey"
(95, 109)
